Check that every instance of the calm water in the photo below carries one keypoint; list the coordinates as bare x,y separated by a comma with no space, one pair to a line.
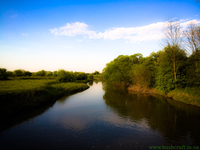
104,117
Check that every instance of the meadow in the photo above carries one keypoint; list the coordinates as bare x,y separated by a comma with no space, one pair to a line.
25,93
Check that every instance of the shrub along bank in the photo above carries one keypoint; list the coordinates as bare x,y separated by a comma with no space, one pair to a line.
158,73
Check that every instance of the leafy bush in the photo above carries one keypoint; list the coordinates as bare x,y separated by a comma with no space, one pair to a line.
117,71
18,72
40,73
140,75
3,74
27,73
90,77
9,73
65,76
55,73
81,76
48,73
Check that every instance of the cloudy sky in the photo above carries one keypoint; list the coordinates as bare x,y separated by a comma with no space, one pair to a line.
84,35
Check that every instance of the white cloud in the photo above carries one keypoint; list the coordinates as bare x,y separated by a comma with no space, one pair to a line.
149,32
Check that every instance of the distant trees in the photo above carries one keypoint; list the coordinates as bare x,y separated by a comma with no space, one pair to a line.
65,76
18,72
69,76
96,73
80,76
90,77
61,75
3,74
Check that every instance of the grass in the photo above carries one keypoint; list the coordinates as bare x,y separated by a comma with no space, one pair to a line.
188,95
18,95
18,86
141,89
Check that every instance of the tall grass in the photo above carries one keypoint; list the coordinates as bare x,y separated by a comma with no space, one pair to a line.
20,95
188,95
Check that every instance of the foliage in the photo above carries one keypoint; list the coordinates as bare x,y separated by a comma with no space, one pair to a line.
27,73
48,73
10,73
80,76
3,74
65,76
188,95
117,71
40,73
170,68
55,73
96,73
18,95
140,75
90,77
193,77
18,72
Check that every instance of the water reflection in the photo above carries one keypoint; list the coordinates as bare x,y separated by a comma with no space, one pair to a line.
107,117
177,122
90,83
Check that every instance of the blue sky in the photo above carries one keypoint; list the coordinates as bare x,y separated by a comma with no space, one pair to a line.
84,35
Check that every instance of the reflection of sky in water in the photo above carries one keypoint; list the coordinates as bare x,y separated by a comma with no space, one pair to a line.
86,121
81,110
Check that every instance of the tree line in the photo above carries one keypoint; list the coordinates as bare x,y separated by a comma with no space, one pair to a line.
177,65
61,75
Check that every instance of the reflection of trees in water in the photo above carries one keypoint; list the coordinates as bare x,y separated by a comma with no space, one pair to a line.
177,122
8,121
90,83
96,81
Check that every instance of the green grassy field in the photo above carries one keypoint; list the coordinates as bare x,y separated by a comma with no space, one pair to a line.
23,94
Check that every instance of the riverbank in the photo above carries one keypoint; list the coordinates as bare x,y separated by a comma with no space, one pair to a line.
187,95
21,95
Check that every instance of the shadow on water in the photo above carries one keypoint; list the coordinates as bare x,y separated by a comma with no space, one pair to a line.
177,122
10,120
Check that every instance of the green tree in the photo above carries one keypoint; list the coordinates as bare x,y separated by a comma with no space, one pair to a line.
192,34
90,77
140,75
117,71
81,76
150,63
9,73
18,72
170,68
65,76
96,73
3,74
48,73
27,73
40,73
193,78
55,73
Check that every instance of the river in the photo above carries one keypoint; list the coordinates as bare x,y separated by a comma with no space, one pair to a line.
106,117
